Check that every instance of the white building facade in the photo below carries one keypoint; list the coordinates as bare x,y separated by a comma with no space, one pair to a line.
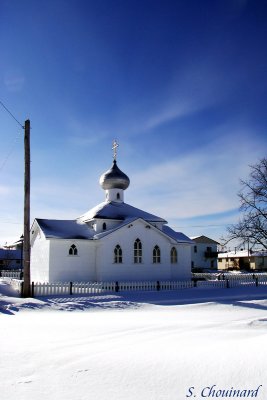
204,253
113,241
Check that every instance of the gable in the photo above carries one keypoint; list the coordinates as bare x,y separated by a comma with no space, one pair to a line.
204,239
138,223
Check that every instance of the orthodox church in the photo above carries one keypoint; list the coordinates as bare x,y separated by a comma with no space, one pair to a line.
113,241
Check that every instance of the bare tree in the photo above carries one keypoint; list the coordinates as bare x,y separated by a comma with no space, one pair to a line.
252,225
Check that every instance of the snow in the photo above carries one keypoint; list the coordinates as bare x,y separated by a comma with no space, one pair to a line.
149,345
77,229
65,229
242,253
119,211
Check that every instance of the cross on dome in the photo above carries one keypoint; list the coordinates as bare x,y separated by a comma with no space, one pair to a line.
115,145
114,178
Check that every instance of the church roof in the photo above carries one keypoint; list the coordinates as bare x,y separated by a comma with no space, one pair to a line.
72,229
119,211
65,229
178,236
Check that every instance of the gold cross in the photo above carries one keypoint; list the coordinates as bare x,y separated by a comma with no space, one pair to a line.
114,148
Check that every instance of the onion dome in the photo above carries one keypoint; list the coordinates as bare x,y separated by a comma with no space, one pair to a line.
114,178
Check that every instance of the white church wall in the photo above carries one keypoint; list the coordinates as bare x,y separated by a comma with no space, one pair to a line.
116,195
128,270
40,251
67,268
98,224
182,270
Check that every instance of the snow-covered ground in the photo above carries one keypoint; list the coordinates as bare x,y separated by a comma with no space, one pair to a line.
137,346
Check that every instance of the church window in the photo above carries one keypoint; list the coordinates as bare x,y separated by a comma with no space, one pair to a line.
104,226
137,251
195,249
118,254
173,255
118,196
156,255
73,251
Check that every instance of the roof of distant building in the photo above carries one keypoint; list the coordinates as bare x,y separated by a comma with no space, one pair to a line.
203,239
242,254
10,254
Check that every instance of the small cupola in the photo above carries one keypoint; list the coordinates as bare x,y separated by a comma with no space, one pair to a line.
114,181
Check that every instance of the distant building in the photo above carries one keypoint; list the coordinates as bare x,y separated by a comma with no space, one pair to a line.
243,260
10,259
204,253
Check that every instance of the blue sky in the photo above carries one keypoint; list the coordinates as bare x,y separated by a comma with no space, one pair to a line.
180,84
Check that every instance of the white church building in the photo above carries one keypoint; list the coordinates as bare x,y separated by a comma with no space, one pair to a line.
113,241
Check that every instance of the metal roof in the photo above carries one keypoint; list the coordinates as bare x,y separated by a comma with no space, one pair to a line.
118,211
65,229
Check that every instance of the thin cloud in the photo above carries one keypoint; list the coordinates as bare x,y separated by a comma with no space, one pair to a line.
192,90
14,81
84,134
197,184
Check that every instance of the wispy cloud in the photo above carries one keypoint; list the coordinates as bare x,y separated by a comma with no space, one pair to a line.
195,88
202,182
14,80
84,133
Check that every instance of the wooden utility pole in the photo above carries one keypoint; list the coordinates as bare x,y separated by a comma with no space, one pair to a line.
26,245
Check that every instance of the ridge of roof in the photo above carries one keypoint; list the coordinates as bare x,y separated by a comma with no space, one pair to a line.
119,211
203,239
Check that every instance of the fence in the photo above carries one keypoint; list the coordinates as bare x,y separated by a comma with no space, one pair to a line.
70,288
227,275
18,274
211,284
76,288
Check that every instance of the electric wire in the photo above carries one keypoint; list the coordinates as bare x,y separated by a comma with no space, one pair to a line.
10,113
5,159
9,152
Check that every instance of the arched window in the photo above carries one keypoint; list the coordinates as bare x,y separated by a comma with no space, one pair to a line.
104,226
118,196
173,255
137,251
156,255
118,254
73,251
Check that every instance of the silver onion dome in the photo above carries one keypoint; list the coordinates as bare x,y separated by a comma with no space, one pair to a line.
114,178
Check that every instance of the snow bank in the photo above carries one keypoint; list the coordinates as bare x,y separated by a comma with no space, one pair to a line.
121,347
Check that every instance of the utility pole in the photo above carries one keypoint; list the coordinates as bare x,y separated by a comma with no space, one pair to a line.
26,245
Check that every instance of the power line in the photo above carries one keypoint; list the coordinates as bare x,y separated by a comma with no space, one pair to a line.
9,153
10,113
15,140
